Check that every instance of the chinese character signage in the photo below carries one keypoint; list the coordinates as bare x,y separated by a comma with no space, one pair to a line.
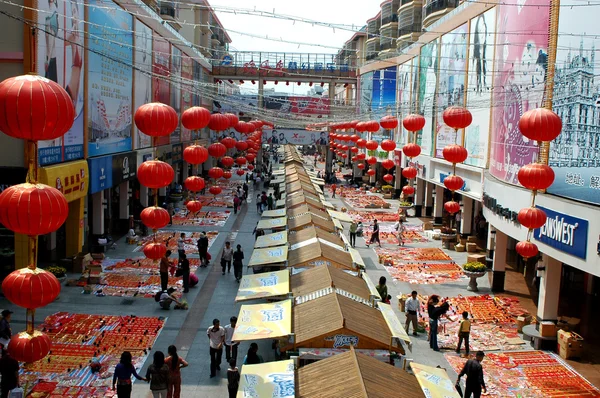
271,379
264,321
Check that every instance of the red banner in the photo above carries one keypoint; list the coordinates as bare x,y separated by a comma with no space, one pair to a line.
309,105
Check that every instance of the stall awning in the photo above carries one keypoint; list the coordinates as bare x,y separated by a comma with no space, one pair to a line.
318,253
434,382
312,232
322,353
391,319
280,204
264,321
327,204
356,258
270,255
270,223
268,284
270,240
322,277
372,288
277,181
343,217
271,379
274,213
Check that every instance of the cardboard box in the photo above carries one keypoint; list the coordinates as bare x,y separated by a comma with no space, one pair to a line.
566,338
523,321
572,350
460,247
471,247
98,256
471,239
427,226
547,329
463,241
567,323
476,258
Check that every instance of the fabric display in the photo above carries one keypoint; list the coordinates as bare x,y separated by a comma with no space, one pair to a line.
367,217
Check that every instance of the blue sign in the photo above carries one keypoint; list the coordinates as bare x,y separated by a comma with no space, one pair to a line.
101,173
226,60
443,177
563,232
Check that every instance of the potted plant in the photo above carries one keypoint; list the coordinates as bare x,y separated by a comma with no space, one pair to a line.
387,191
474,270
59,272
405,205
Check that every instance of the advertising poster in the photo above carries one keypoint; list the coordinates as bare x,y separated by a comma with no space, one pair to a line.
308,105
479,89
519,83
62,62
175,78
160,83
426,94
575,153
384,92
187,74
451,86
110,80
272,379
404,87
143,81
197,78
295,137
366,88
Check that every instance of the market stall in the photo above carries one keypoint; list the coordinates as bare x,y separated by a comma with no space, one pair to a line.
300,186
298,238
306,220
273,224
271,240
264,321
274,213
435,381
317,253
343,217
322,277
271,379
297,200
265,285
305,209
271,257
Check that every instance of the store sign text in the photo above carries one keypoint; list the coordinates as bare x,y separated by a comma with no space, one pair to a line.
564,233
343,340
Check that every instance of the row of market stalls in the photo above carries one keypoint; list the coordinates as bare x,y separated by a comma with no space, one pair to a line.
310,295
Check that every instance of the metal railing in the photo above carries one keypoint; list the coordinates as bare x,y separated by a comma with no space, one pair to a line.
167,8
438,5
388,19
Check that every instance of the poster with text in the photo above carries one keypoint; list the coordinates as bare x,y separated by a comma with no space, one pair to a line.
110,78
187,89
403,100
295,137
479,89
384,96
143,76
175,78
366,89
451,85
519,83
426,94
62,62
575,153
160,83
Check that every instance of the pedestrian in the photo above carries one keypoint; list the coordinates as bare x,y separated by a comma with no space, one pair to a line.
382,288
270,201
5,330
9,370
203,249
216,338
257,181
166,298
181,244
236,203
464,331
238,257
333,188
226,257
122,375
171,210
231,346
258,204
435,311
353,227
375,234
399,227
263,201
233,378
184,266
175,363
164,271
158,376
359,229
411,309
475,384
252,356
245,188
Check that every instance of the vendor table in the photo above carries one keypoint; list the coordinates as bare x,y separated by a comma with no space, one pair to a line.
537,340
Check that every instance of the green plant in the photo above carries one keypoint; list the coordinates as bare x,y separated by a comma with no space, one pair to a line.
387,187
474,267
58,272
406,204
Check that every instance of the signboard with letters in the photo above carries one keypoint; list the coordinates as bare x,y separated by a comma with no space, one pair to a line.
124,167
563,232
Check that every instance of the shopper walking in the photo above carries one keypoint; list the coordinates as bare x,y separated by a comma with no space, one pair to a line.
226,258
382,288
238,257
399,227
270,201
181,245
333,188
411,309
158,376
164,271
236,203
435,311
233,378
175,363
245,188
122,375
375,234
263,201
184,266
475,384
258,204
252,357
231,346
464,331
5,330
9,370
353,228
203,249
216,338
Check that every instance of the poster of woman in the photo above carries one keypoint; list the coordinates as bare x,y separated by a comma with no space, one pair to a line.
160,67
187,89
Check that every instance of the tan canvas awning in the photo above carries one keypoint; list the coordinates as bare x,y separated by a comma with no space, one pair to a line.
274,213
312,232
308,219
322,277
264,285
270,255
319,253
270,223
270,240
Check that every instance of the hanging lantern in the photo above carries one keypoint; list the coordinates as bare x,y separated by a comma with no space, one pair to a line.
241,146
409,172
536,176
33,209
408,190
227,161
345,147
233,119
372,160
215,173
217,150
371,172
242,127
388,145
372,145
453,182
354,138
527,249
354,158
388,178
195,118
155,217
155,174
361,156
193,206
360,127
227,174
195,154
413,122
155,250
194,184
34,108
455,153
457,117
156,119
29,346
361,143
250,157
361,166
354,149
388,122
240,161
411,150
372,126
215,190
218,122
540,124
532,217
239,172
388,164
228,142
452,207
250,167
31,287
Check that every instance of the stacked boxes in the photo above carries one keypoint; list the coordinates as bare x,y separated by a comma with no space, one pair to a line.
570,345
547,329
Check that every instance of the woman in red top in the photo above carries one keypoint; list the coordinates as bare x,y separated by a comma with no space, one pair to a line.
175,364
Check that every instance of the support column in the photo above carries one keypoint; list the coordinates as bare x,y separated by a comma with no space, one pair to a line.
428,198
491,242
261,93
438,212
419,197
186,171
549,288
466,227
499,263
144,196
74,227
124,200
398,177
98,213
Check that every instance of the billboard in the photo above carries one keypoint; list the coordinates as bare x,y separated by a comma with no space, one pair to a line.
160,67
519,83
142,93
366,89
384,92
176,90
426,94
110,78
309,105
479,89
187,74
403,100
295,137
62,62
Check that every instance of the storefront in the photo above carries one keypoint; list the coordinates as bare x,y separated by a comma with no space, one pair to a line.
9,176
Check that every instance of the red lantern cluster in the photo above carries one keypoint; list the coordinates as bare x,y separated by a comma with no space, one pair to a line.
411,123
217,149
218,122
227,161
229,142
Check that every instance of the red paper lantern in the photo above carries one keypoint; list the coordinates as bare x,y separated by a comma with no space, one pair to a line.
354,149
532,217
361,156
371,172
215,172
241,146
155,217
250,157
218,122
227,161
452,207
195,154
411,150
250,167
387,164
388,145
156,119
455,153
372,126
345,147
227,174
540,124
408,190
33,209
413,122
217,150
388,122
344,155
195,118
240,161
354,158
34,108
242,127
194,183
453,182
239,172
155,250
409,172
29,347
388,178
372,145
361,143
527,249
228,142
361,127
215,190
354,138
360,166
536,176
233,119
372,160
155,174
457,117
31,287
193,206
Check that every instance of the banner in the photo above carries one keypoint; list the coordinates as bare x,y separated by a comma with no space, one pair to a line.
384,92
271,379
264,321
451,85
519,83
564,232
143,82
110,78
295,137
268,284
482,40
366,90
404,91
187,74
62,62
160,67
309,105
426,94
175,76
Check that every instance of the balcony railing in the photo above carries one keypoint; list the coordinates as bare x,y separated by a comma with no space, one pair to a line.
438,5
388,19
387,45
403,2
415,28
167,9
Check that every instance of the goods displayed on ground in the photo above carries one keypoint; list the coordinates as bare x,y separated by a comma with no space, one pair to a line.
78,340
367,217
389,235
401,255
531,374
426,274
225,198
140,265
201,218
360,199
169,238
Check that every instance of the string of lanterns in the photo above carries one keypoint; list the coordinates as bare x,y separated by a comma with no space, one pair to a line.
412,123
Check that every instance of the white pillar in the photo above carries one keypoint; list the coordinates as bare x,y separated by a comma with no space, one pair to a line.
260,93
466,216
549,288
124,200
499,262
98,213
438,211
398,177
419,192
428,198
144,196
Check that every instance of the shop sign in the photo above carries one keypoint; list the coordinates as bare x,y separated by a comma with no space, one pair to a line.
177,153
69,178
101,173
420,168
343,340
398,157
563,232
443,177
504,212
124,167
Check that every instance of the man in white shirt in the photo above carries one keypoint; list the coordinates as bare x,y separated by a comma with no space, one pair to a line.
216,338
230,346
180,244
411,308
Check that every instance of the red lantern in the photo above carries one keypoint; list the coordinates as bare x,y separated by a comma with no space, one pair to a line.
33,209
360,166
193,206
239,172
195,118
194,184
227,174
233,119
345,147
452,207
411,150
218,122
361,156
215,190
29,347
217,150
227,161
413,122
354,138
241,146
372,145
354,158
540,124
34,108
156,119
361,127
195,154
453,182
155,217
361,143
408,190
527,249
409,172
387,164
354,149
31,287
240,161
371,172
215,172
250,167
155,250
344,155
242,127
250,157
228,142
388,122
536,176
455,153
388,145
388,178
457,117
372,126
372,160
155,174
532,217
